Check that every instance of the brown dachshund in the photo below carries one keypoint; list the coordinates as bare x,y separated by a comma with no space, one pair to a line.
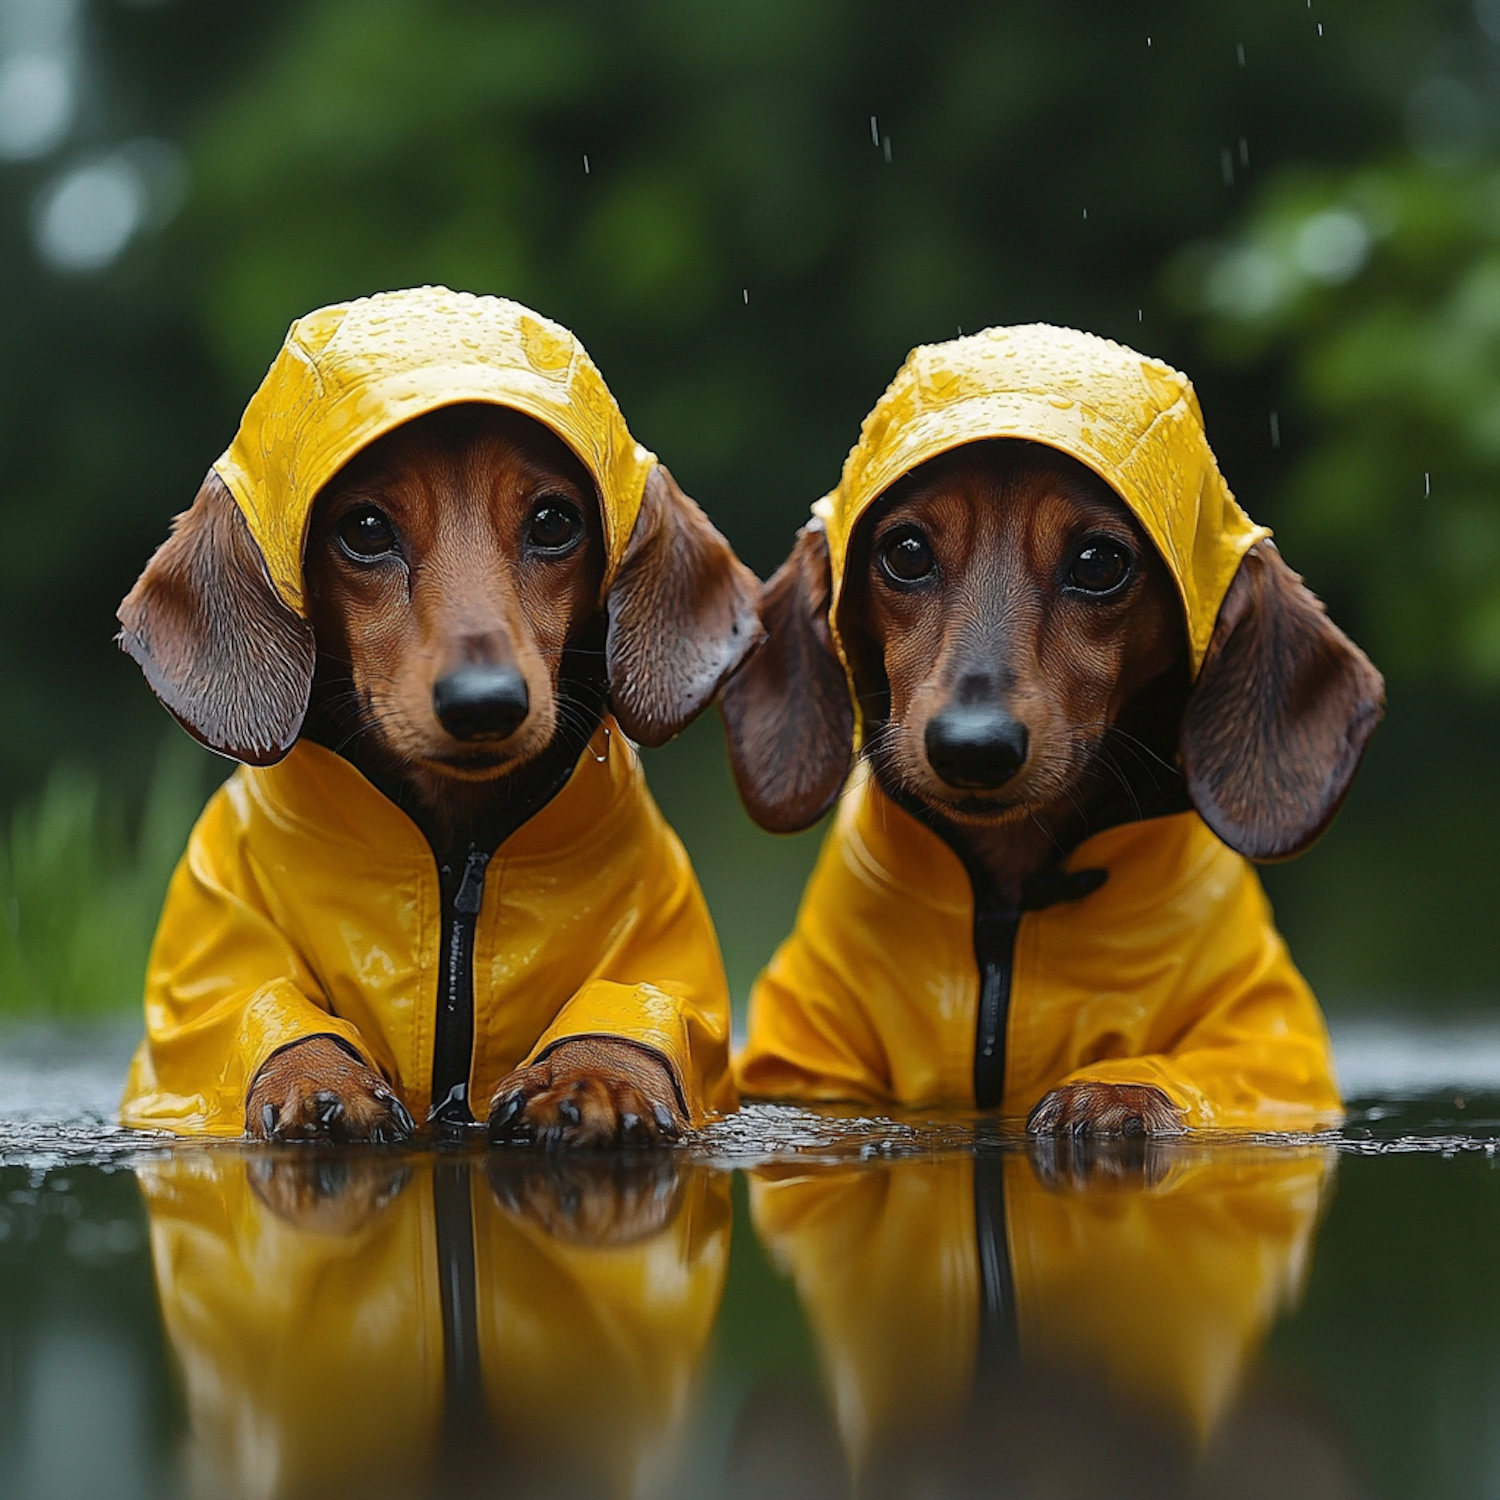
1020,658
461,661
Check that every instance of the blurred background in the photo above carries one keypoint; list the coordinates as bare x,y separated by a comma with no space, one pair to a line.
750,211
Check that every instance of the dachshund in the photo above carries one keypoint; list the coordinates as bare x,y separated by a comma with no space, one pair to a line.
1019,655
461,659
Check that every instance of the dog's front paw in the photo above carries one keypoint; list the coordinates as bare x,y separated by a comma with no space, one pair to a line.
316,1091
594,1092
1106,1109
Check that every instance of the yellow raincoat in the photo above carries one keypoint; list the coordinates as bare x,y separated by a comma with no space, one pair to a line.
920,1279
1170,973
308,904
359,1345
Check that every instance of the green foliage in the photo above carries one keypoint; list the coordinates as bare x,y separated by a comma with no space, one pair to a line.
79,895
1380,289
748,265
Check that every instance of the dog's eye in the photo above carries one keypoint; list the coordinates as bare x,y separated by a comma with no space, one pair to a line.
1101,566
906,555
555,525
367,532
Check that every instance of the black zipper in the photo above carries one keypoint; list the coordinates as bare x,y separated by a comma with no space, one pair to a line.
453,1031
995,928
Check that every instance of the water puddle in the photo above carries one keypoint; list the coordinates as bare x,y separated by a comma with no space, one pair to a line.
798,1304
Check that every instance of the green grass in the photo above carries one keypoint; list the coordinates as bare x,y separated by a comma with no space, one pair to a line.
80,888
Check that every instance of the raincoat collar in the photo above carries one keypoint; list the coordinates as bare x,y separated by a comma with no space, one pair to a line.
1133,420
316,792
351,372
915,864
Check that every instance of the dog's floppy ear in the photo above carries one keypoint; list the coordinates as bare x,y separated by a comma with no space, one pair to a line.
1280,716
215,640
787,712
681,616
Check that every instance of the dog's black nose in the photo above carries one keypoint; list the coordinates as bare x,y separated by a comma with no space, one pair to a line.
975,749
481,703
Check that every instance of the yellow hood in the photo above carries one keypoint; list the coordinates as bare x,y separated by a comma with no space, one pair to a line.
308,904
353,371
1134,421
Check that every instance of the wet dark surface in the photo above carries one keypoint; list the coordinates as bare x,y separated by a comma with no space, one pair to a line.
795,1305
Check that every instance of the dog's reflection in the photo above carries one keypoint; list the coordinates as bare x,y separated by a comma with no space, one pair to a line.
374,1325
1078,1320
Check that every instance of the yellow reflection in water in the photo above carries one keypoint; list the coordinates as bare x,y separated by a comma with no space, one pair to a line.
1044,1308
363,1324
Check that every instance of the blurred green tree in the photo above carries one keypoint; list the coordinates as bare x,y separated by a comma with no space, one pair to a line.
1380,292
749,211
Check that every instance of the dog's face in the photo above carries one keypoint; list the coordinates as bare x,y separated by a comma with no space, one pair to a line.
449,566
454,571
1006,619
1002,606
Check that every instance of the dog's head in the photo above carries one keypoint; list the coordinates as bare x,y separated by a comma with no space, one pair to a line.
1011,630
453,569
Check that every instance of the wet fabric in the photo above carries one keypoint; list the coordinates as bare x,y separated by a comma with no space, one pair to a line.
308,904
1134,421
349,373
348,1329
1170,973
928,1283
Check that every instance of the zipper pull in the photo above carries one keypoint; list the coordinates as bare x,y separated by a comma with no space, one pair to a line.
471,887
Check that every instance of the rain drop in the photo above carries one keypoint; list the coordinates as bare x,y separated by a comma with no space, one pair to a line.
1320,28
1140,315
1275,430
1085,216
1239,51
746,294
875,129
1148,41
885,145
1244,152
1427,484
585,164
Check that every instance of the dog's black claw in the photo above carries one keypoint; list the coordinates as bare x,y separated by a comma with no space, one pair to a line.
664,1121
268,1120
632,1129
404,1122
570,1112
328,1108
503,1126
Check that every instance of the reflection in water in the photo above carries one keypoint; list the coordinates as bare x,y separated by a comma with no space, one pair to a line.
381,1326
1072,1322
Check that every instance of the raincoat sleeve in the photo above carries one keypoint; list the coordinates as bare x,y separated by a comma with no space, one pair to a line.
683,1018
1242,1043
809,1036
224,988
843,1011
